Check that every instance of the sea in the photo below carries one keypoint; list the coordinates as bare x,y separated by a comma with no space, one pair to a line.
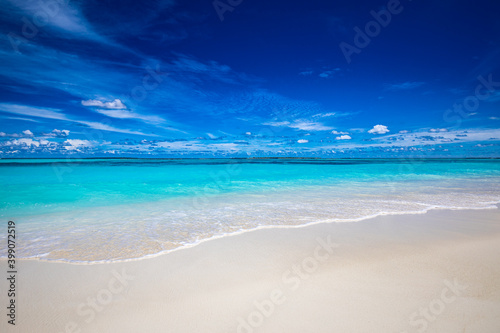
104,210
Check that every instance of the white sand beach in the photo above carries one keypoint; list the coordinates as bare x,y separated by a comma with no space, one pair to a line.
433,272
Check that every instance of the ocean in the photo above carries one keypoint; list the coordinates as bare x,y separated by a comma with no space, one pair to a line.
94,210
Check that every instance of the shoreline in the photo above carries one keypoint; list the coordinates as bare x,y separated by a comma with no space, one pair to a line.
352,277
493,205
326,277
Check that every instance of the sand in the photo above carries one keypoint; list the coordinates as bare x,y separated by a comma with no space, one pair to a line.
434,272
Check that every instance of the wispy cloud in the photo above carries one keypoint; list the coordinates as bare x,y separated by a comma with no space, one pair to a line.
57,114
328,73
404,86
117,109
306,73
126,114
22,119
325,115
60,16
33,111
300,124
104,127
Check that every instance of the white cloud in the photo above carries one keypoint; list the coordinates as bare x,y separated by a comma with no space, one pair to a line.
424,137
379,129
435,130
78,143
116,104
343,137
404,132
22,142
26,133
60,133
494,118
117,109
302,141
248,133
339,133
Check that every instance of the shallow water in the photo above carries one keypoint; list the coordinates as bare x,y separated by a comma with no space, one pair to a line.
107,209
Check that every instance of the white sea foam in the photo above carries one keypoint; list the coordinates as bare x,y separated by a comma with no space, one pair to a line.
128,232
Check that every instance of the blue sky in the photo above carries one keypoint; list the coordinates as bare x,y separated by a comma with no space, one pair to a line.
249,78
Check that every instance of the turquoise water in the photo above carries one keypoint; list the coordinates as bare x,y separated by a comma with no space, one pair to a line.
140,206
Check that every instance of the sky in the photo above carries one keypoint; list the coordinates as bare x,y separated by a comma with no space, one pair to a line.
240,78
